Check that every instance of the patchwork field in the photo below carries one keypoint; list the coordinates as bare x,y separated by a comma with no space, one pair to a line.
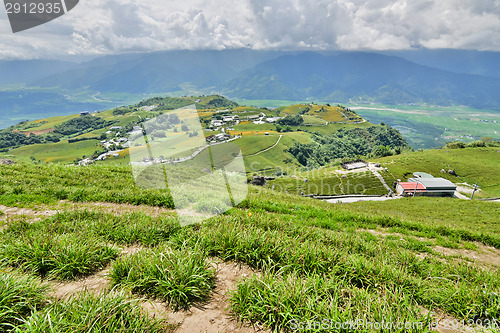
430,127
77,243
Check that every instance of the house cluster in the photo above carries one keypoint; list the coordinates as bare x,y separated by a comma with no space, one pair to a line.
218,137
148,107
115,142
215,123
424,184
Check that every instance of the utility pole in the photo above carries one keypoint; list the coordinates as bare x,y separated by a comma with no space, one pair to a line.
475,189
416,187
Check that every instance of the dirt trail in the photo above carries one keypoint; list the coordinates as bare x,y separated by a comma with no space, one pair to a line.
264,150
43,211
13,212
213,316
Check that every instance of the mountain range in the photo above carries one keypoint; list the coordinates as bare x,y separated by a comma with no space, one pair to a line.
437,77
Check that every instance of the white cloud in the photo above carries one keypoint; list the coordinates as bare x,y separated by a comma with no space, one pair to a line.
115,26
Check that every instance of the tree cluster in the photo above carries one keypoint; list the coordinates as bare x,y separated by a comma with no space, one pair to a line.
373,141
81,125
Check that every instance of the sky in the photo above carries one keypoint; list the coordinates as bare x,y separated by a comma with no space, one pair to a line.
96,27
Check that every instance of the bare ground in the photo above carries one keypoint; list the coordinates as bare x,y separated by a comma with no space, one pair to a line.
210,317
484,256
42,211
15,212
213,316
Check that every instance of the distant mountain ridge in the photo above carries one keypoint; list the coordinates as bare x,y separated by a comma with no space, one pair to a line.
366,76
437,77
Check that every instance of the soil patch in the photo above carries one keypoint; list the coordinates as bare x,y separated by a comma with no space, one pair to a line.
485,255
28,133
213,316
12,212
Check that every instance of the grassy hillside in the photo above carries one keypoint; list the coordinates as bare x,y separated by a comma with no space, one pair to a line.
308,261
60,152
472,165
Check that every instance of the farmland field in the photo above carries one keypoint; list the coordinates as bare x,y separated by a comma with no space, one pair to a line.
430,127
303,260
63,151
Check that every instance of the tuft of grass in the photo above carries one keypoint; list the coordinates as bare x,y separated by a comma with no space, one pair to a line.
179,277
20,296
64,257
287,303
104,313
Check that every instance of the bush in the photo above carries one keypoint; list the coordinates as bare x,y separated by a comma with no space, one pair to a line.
293,120
381,151
476,144
455,145
64,257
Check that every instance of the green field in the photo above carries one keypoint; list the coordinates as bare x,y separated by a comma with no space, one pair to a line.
61,152
472,165
412,260
328,183
430,127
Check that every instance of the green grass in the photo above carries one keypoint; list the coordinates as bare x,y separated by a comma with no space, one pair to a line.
126,229
253,128
63,257
317,260
252,144
61,152
293,244
49,123
313,120
20,296
287,303
470,164
473,216
27,184
87,313
180,277
325,182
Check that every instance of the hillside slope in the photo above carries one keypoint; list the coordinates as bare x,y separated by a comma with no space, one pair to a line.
338,266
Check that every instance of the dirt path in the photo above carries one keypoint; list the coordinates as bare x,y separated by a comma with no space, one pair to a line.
375,172
43,211
214,316
33,214
211,317
264,150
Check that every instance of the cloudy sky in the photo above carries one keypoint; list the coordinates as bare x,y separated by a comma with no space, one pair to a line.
97,27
